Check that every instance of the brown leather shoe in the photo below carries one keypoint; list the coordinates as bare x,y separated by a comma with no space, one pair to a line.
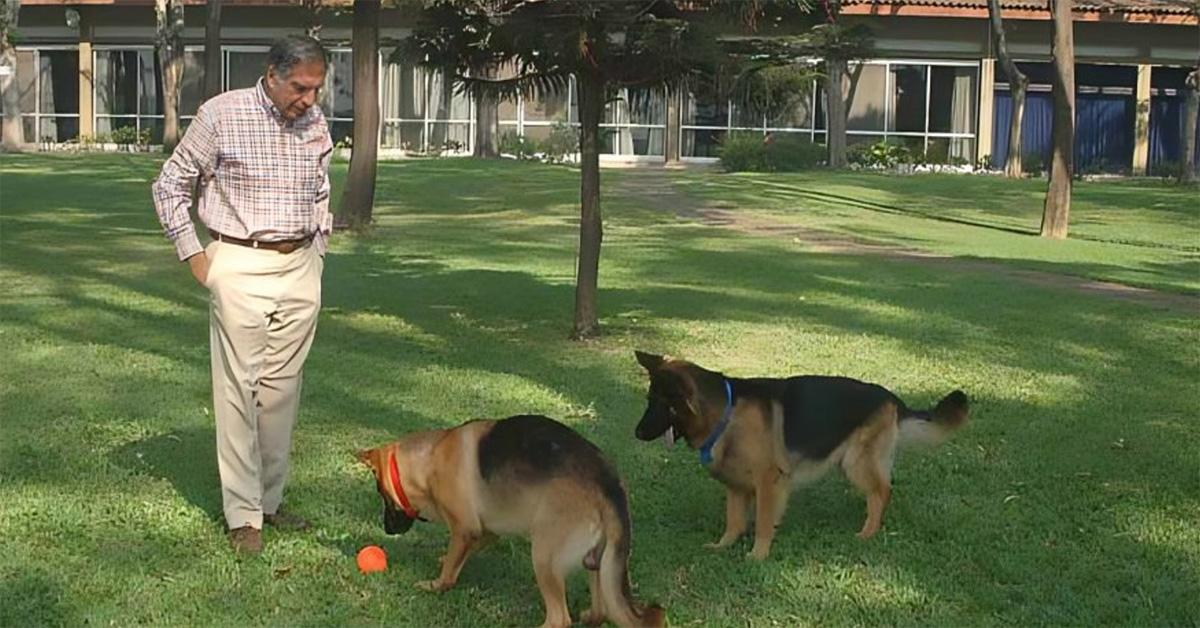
285,520
246,540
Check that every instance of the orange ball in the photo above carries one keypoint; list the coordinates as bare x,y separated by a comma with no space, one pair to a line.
371,558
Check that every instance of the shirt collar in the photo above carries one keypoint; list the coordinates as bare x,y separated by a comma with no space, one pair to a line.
265,101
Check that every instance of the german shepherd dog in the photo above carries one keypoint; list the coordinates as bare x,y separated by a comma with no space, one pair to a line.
525,475
761,437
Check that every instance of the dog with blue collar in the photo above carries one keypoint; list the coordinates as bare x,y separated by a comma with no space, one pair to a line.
761,437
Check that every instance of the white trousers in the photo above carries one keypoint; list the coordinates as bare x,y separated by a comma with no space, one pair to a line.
263,317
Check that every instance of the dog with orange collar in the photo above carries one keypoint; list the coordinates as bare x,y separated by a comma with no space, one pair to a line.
526,475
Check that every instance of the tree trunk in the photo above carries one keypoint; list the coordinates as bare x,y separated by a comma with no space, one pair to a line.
487,119
12,130
1062,162
1017,83
170,59
312,18
591,110
1012,164
212,50
1191,106
358,197
835,112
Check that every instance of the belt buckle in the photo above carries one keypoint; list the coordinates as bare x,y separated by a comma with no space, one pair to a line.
286,247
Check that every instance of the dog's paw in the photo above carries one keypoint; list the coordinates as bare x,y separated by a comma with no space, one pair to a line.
719,545
758,554
432,586
592,617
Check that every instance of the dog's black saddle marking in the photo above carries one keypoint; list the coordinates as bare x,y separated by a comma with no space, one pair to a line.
819,412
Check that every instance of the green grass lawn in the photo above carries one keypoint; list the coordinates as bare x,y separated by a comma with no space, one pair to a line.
1073,496
1138,232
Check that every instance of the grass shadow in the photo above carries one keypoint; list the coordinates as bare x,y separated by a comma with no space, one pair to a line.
186,458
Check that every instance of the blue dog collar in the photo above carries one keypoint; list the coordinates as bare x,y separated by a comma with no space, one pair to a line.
706,448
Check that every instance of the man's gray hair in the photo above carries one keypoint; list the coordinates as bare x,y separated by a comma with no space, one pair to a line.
293,50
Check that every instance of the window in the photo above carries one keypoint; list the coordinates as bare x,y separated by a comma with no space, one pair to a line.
127,85
403,106
635,123
866,110
907,98
191,92
952,99
244,66
952,111
534,116
798,116
509,113
48,81
932,109
129,94
705,122
549,108
509,109
422,110
337,96
450,115
929,107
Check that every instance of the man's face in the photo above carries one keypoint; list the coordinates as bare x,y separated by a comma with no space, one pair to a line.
295,93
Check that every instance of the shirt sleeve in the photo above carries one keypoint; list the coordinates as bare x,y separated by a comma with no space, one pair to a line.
195,156
321,213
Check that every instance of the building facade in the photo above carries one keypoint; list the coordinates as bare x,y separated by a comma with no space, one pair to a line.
89,70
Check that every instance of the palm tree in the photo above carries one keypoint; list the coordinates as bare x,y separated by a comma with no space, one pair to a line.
600,45
838,45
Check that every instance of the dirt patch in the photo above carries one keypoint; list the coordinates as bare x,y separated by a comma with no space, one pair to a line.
655,189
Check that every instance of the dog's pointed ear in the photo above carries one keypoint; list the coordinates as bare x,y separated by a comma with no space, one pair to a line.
683,384
649,361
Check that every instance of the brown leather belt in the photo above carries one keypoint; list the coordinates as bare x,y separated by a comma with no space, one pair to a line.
282,246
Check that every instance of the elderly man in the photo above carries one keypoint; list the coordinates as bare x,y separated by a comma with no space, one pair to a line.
261,158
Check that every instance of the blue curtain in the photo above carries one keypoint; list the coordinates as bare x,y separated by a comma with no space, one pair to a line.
1035,128
1103,129
1103,132
1166,122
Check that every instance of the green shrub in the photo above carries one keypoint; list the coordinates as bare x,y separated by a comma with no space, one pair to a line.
881,154
562,143
791,152
743,152
1032,164
447,147
125,135
518,146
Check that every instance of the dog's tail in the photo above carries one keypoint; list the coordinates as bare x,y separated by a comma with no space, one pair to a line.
935,426
618,601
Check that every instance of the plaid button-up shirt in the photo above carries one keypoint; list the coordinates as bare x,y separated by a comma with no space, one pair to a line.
261,177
